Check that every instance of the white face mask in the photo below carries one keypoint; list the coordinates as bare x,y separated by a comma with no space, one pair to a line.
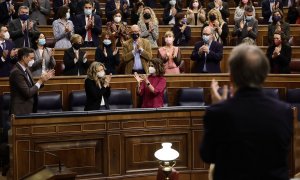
6,35
169,40
195,4
172,3
117,19
30,63
152,70
101,74
67,15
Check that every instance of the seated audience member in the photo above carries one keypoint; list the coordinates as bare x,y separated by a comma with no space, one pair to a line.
219,25
148,24
8,11
97,87
170,11
136,12
8,55
267,8
279,25
108,54
170,55
279,55
240,10
43,56
137,52
293,16
151,88
246,27
195,13
181,30
39,10
220,6
75,60
118,29
247,121
112,5
88,25
63,28
22,29
207,53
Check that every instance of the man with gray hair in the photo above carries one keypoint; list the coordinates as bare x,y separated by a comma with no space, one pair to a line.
22,29
248,136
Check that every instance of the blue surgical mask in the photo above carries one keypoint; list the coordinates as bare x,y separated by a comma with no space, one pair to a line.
107,42
42,42
24,17
87,12
205,39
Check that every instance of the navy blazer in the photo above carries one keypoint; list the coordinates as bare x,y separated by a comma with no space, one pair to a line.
96,30
245,138
110,9
70,67
213,58
9,62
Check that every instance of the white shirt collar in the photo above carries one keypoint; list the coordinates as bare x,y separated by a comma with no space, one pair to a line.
23,67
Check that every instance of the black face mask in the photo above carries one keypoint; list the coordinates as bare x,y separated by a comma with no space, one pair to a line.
147,16
76,46
135,36
212,17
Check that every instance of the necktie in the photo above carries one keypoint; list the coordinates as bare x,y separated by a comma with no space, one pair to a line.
28,77
3,46
26,39
89,31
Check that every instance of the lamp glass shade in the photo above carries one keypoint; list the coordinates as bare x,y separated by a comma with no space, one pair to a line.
166,153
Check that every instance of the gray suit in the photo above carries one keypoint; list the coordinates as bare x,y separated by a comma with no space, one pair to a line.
23,92
243,33
16,33
39,15
36,68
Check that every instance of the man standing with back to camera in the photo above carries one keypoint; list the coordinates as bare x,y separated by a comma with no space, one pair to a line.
248,136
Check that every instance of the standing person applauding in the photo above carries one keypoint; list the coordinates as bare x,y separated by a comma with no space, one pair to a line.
151,88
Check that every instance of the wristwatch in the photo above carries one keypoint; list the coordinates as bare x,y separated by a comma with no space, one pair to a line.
148,84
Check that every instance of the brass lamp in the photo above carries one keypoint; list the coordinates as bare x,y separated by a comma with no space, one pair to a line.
166,156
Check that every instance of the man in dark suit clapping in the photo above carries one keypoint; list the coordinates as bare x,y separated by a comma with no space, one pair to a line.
248,136
7,52
207,53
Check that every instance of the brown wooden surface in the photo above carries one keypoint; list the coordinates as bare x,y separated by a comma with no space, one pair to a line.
189,66
119,144
66,84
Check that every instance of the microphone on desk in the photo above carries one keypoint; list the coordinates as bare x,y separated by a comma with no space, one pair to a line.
47,152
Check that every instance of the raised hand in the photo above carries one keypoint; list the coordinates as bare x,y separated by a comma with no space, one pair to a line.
137,77
215,95
46,76
115,51
242,24
30,25
105,52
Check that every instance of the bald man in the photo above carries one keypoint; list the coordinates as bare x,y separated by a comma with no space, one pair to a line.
207,53
137,52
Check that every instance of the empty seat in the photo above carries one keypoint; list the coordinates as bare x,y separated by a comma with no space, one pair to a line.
77,100
190,97
120,99
272,92
293,97
49,102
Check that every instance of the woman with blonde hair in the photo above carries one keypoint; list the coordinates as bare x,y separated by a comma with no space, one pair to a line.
219,25
148,24
170,55
97,87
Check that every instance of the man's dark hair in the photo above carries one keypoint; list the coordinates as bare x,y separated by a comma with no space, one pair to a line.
24,52
62,11
249,8
88,2
249,66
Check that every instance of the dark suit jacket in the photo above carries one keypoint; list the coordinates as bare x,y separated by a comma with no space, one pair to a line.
243,33
224,12
111,61
96,30
70,67
56,5
181,38
285,29
245,138
212,60
7,65
94,95
110,9
4,18
281,62
23,92
266,10
17,35
166,16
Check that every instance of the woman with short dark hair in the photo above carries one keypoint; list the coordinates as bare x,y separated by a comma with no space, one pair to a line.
151,88
181,31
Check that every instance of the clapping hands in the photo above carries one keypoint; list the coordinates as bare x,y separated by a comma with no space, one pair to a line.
215,95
